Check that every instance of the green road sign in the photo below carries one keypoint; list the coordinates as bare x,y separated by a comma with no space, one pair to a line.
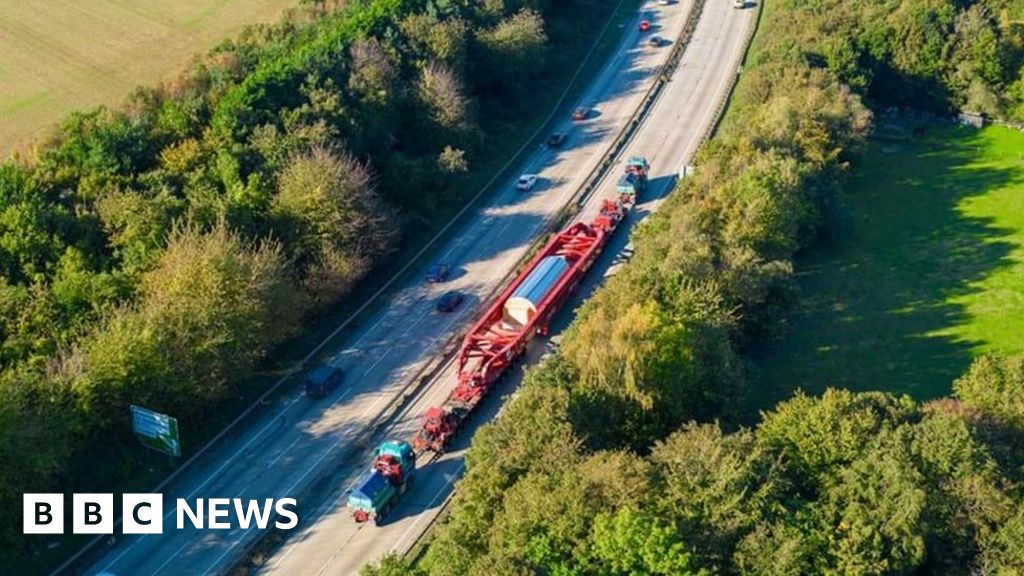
156,431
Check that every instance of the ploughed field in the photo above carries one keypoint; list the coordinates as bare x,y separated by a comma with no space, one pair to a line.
63,55
922,270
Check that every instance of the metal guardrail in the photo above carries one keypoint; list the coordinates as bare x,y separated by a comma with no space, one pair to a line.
426,374
416,551
79,557
723,104
429,371
591,184
625,135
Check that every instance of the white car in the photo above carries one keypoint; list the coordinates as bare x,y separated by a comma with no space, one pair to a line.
526,182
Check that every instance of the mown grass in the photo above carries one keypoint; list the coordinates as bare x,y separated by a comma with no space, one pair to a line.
926,272
59,55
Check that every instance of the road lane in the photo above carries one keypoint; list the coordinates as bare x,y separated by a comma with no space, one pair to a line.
298,438
669,137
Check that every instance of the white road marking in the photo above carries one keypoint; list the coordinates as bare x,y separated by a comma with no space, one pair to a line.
292,402
449,481
168,561
299,437
315,465
208,478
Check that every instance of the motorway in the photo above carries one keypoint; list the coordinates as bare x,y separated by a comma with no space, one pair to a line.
297,441
669,137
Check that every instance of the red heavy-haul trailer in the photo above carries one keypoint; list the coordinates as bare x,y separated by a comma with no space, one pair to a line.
522,310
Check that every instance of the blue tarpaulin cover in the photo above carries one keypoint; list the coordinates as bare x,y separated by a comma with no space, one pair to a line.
627,182
369,489
542,279
521,306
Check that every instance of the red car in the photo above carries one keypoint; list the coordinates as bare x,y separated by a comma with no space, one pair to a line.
645,25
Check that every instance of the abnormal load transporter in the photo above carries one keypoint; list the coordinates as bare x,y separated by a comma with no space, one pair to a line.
497,340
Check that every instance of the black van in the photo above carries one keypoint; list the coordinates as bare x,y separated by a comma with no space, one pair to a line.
322,380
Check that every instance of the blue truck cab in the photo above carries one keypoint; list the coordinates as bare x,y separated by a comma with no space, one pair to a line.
634,181
391,473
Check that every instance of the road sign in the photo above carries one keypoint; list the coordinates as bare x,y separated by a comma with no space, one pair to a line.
156,431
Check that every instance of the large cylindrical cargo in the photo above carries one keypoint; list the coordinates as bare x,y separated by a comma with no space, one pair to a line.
522,305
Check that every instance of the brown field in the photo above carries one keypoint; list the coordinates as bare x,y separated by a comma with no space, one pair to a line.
62,55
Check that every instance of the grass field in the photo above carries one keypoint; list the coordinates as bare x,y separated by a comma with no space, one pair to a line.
62,55
926,273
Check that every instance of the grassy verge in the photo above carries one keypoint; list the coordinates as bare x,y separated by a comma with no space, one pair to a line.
927,273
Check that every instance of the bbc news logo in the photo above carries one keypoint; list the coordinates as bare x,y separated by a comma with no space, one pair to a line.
144,513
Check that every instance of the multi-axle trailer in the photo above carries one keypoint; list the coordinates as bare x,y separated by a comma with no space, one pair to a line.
497,340
524,309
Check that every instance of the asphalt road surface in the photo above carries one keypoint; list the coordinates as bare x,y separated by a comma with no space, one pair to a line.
298,440
330,542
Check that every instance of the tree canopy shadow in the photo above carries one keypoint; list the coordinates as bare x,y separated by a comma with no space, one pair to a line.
877,300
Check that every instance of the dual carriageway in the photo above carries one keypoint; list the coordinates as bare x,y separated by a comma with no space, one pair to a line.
398,363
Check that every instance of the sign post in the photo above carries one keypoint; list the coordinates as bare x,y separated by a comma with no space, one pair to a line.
156,431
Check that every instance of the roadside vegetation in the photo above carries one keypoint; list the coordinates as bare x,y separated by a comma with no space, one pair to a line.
622,454
156,253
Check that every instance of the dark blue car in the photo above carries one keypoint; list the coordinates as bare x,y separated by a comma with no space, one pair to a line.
449,301
322,380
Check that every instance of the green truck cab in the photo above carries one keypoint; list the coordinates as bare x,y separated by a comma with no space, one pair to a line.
634,181
391,473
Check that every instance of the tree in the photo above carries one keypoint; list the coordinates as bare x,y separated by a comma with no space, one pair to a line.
441,91
1003,554
452,160
513,52
875,506
995,385
27,243
208,311
373,75
545,518
81,294
442,41
765,207
651,366
35,444
715,486
788,547
977,67
965,500
334,222
814,435
137,225
631,543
